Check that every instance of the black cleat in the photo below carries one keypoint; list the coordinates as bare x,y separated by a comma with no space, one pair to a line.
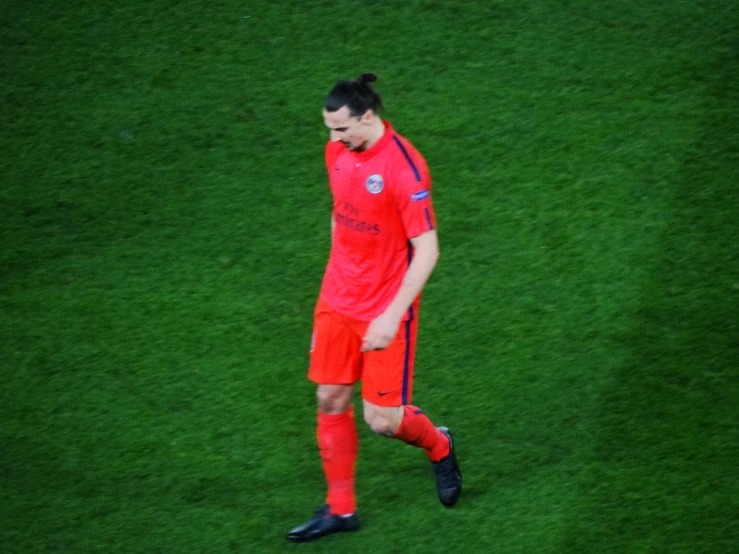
321,524
448,475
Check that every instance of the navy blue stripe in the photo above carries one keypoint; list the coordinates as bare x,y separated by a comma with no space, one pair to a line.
410,259
407,157
428,218
406,363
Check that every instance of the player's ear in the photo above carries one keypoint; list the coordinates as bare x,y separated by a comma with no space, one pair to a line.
368,117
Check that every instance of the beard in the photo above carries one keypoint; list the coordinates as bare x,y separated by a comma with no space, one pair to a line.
353,147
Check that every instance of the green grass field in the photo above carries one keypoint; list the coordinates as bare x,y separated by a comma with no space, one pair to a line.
164,226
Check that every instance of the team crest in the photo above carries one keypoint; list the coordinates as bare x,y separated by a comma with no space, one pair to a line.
375,184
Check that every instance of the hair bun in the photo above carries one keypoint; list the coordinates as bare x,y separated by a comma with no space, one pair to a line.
367,78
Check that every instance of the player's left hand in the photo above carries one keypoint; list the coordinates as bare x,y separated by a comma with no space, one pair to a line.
380,332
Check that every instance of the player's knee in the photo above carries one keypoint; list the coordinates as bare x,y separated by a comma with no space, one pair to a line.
334,399
381,422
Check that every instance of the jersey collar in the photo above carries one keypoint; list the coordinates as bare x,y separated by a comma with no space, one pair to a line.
385,139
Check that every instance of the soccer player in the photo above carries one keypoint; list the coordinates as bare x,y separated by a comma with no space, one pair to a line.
383,249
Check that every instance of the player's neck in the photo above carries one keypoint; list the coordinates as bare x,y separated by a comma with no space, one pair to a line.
378,129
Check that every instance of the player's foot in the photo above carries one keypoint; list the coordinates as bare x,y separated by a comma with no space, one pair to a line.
321,524
448,475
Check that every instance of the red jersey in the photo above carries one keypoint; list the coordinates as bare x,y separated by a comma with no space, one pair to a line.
382,198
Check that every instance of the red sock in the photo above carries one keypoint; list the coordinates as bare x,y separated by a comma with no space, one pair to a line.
338,444
416,429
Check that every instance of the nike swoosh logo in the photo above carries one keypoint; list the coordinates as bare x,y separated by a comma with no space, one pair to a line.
383,393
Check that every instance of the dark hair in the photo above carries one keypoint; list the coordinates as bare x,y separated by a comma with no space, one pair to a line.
357,94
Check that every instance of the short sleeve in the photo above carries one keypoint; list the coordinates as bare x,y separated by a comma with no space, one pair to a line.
413,198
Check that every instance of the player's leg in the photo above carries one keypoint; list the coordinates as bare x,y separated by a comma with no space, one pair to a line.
338,444
387,390
410,425
334,366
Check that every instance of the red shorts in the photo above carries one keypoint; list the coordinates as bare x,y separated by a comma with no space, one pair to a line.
335,357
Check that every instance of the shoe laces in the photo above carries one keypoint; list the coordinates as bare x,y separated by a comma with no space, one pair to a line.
444,470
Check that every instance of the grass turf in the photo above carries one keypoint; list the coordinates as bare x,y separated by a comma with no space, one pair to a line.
164,225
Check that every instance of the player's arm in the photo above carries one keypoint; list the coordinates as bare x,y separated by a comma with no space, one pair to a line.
425,256
382,330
